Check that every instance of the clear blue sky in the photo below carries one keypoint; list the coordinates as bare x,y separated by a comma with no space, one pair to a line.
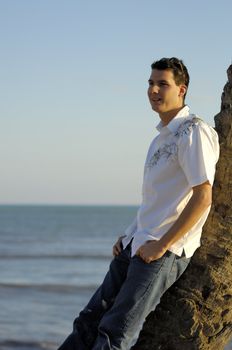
75,119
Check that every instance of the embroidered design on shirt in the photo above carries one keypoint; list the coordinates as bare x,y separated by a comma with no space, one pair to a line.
186,127
169,151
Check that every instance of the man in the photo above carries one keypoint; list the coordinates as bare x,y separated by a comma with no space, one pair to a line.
157,246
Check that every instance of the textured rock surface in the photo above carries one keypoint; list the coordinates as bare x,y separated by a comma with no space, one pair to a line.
196,313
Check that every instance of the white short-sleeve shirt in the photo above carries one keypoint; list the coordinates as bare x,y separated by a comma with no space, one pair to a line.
183,155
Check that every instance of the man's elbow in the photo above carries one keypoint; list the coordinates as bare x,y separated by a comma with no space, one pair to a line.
207,199
203,194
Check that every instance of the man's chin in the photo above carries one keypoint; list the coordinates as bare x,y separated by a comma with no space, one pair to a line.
157,109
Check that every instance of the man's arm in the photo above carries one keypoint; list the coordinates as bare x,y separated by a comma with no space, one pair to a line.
198,203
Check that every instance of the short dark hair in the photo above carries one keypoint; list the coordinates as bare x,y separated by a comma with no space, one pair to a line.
180,72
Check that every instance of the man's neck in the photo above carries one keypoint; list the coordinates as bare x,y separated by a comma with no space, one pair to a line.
168,116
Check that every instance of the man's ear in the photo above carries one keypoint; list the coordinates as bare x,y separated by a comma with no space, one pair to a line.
183,90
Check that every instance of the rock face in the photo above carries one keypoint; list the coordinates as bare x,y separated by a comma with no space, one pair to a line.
196,312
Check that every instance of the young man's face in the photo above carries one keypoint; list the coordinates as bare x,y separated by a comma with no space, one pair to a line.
163,93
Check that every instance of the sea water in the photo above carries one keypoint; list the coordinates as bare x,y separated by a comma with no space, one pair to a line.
52,258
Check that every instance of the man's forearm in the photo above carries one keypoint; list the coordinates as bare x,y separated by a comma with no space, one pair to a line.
197,205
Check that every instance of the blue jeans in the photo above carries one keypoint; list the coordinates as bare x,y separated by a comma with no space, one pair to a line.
130,291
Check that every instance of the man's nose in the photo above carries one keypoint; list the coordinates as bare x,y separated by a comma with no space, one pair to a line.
154,89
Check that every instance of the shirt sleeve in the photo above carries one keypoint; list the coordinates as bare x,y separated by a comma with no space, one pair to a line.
198,153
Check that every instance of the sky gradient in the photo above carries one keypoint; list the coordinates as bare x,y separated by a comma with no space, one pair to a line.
75,118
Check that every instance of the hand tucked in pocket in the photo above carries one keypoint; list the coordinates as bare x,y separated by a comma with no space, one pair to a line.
151,250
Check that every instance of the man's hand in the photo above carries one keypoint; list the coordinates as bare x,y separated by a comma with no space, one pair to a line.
151,250
117,246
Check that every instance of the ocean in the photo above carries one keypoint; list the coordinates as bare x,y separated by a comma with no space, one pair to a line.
52,259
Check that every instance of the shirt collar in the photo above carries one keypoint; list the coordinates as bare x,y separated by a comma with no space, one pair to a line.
176,121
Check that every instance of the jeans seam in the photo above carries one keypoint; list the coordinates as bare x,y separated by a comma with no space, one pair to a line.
170,271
